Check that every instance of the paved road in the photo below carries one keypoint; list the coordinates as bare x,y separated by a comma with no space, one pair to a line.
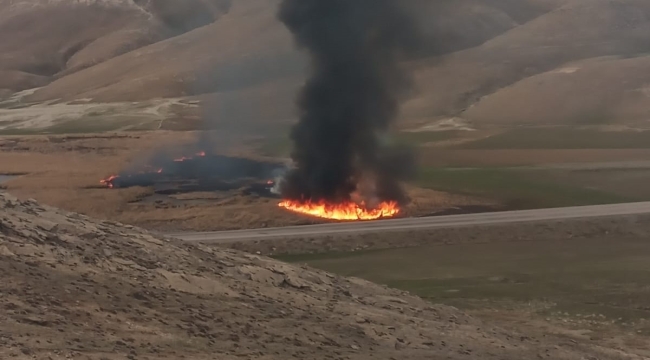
418,223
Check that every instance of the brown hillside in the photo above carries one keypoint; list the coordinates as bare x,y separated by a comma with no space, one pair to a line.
580,29
79,288
249,47
601,91
247,66
246,47
453,25
50,39
240,55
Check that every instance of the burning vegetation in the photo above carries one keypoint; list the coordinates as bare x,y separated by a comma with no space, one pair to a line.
347,107
344,211
343,167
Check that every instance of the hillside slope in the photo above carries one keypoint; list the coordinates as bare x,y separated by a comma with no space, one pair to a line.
246,47
251,47
592,92
578,30
76,287
238,54
41,41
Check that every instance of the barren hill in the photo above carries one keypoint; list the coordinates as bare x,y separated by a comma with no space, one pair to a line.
248,47
41,41
591,92
578,30
125,50
72,286
237,55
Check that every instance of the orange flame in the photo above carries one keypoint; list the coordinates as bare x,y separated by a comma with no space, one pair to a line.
108,182
345,211
148,169
183,158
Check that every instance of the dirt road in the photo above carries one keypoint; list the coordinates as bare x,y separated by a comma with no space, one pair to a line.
417,223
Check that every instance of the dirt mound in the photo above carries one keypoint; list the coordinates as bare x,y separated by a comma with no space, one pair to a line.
72,286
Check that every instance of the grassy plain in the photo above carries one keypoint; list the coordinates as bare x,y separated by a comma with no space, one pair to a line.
517,189
63,170
595,283
562,138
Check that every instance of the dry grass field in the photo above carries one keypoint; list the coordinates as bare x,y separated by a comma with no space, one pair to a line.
64,171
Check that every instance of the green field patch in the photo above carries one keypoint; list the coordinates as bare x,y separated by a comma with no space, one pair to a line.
425,137
281,145
515,188
562,138
597,278
276,146
86,125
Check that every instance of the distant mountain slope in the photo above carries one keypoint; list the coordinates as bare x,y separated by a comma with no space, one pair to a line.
240,55
580,29
591,92
247,47
251,30
41,41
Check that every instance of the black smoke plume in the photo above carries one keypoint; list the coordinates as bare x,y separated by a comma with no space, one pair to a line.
351,99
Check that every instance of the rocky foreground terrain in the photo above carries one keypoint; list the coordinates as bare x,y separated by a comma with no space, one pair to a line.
76,288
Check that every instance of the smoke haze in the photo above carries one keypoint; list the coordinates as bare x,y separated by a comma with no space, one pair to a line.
350,100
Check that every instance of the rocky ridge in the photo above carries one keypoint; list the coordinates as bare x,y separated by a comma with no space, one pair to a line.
76,288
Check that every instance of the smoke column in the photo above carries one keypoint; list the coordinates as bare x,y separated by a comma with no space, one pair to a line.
350,100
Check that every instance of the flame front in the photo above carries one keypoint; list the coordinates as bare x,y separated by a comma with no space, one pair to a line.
108,182
184,158
148,169
344,211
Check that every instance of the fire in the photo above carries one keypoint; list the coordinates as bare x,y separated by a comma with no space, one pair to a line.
345,211
148,169
183,158
109,181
